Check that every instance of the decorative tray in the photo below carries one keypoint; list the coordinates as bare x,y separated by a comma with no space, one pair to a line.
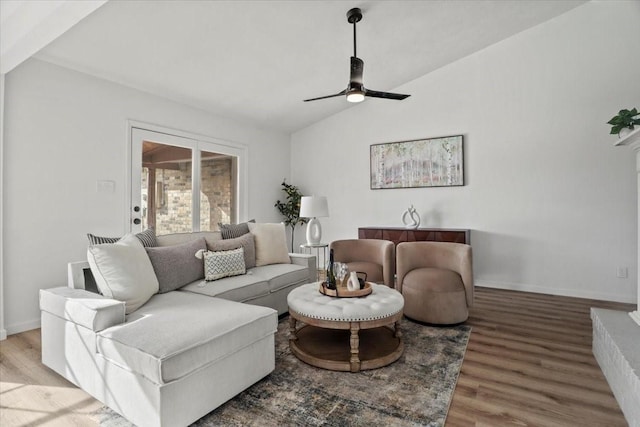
343,292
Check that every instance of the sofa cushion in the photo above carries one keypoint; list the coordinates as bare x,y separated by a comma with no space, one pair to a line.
146,237
123,271
180,238
281,276
271,243
219,264
177,333
231,231
237,288
176,266
245,242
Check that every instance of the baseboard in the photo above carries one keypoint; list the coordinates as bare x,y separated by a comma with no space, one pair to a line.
22,327
3,334
576,293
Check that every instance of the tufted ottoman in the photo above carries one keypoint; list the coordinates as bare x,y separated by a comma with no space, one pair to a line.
346,334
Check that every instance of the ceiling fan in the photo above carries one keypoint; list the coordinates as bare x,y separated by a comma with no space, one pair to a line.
356,91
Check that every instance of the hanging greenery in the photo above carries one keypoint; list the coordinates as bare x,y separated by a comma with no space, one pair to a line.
290,208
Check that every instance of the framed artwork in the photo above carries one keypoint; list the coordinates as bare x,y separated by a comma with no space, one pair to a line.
433,162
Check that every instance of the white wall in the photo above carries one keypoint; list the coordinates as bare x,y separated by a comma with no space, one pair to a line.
63,132
550,201
3,331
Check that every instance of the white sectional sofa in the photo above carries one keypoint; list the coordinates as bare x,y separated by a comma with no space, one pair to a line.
179,355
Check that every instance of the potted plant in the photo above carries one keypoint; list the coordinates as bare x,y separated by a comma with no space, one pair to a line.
624,122
290,208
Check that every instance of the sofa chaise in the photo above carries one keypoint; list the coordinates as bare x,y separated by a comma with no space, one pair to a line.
182,352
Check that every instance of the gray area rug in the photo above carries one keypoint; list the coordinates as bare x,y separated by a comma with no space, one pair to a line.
414,391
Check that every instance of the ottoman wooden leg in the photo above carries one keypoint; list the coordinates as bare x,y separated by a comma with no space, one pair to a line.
355,347
292,329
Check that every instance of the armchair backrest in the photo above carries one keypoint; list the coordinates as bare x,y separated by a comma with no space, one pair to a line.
381,252
450,256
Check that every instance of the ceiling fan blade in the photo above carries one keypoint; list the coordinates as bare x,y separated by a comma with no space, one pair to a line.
328,96
357,68
385,95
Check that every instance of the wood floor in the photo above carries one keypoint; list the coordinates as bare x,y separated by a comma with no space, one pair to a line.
528,363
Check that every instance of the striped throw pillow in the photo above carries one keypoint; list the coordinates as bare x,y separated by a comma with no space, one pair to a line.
147,238
231,231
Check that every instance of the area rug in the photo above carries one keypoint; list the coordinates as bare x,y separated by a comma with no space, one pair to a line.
414,391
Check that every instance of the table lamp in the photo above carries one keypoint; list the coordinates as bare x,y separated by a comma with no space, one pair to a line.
313,207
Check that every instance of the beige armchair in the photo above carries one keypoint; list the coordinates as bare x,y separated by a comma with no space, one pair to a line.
436,280
372,256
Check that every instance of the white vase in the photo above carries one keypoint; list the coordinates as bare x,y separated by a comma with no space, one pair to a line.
353,284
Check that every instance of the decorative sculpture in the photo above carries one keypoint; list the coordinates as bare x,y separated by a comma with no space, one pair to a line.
413,216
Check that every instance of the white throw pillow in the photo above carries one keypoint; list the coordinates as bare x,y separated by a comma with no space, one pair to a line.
219,264
123,271
271,243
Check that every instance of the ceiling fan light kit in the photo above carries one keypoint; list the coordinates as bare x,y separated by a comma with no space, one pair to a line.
355,91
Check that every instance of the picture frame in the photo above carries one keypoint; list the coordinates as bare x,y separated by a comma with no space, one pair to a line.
429,162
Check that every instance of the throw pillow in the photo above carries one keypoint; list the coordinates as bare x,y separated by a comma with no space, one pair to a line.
245,242
147,237
221,264
231,231
176,266
123,271
271,244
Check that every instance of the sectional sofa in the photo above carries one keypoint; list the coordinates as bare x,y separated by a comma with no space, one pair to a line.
189,347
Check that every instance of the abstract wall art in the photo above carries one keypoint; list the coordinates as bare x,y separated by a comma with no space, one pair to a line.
432,162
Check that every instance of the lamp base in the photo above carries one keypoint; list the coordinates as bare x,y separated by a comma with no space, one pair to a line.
314,232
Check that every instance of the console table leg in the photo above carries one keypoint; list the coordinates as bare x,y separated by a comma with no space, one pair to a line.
355,347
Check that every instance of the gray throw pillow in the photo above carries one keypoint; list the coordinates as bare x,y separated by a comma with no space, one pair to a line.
245,242
231,231
176,266
147,238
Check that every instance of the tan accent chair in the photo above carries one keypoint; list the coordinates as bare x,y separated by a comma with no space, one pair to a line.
436,280
372,256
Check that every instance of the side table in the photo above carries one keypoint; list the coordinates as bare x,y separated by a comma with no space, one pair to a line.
306,248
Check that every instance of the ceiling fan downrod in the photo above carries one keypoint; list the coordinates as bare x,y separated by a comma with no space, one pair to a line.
354,15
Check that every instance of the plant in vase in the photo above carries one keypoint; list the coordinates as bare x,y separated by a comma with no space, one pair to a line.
290,208
624,122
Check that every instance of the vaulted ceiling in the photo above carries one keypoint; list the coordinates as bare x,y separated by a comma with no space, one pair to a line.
255,61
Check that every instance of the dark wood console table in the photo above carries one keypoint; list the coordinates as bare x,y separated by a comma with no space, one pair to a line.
401,234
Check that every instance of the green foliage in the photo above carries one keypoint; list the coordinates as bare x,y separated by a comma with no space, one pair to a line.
290,208
624,119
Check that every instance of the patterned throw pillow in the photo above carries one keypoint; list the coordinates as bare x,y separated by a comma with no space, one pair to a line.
221,264
231,231
147,238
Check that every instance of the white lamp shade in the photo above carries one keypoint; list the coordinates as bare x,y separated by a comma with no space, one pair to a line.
313,206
